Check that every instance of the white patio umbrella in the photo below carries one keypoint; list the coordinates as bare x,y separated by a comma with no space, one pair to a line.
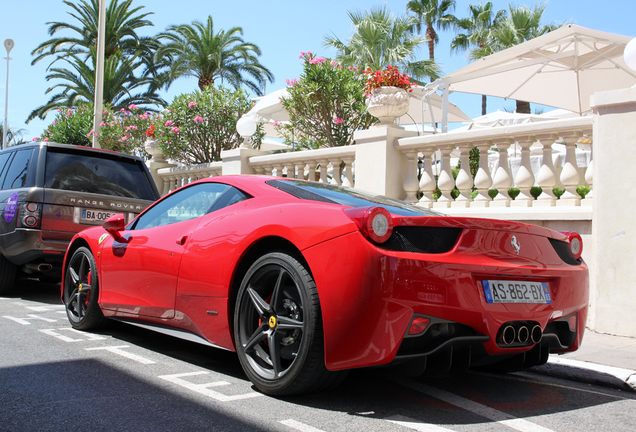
561,69
429,110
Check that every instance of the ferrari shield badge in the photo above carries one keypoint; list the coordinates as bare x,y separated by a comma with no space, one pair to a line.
102,238
272,321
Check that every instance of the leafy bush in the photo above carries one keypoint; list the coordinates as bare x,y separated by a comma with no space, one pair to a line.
326,105
122,131
125,130
71,126
196,127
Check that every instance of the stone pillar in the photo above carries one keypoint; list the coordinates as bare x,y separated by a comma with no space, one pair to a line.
236,161
613,290
380,167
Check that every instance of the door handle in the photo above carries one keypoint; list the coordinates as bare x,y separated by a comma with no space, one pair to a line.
182,240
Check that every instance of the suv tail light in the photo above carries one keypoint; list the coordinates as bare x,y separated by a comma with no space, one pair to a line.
30,215
576,243
375,223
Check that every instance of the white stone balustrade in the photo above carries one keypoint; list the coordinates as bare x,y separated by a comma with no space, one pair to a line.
323,165
567,132
176,177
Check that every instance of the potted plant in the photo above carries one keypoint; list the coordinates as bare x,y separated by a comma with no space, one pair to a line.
387,94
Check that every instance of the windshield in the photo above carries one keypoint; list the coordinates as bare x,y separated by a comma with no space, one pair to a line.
347,197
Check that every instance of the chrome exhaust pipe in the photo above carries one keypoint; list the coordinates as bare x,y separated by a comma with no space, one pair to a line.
42,267
536,335
523,334
508,335
45,267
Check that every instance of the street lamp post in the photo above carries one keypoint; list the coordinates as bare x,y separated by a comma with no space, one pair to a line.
99,73
8,44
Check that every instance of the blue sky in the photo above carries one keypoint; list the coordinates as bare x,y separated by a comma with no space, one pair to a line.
281,28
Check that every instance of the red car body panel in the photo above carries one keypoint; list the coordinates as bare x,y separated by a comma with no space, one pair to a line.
368,294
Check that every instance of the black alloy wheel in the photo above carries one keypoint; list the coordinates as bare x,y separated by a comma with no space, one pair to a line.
278,328
81,291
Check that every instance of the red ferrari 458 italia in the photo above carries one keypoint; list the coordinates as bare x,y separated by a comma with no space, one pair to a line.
306,280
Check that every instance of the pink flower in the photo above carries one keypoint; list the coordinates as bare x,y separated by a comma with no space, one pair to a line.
169,123
175,130
276,123
198,119
46,139
192,104
34,139
105,112
302,53
338,120
132,107
53,122
124,138
102,124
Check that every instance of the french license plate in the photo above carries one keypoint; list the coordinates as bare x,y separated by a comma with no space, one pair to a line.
507,291
94,216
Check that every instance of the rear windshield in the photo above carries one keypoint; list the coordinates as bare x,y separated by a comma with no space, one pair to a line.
347,197
103,174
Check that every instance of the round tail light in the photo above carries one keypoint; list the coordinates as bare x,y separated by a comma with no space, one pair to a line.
576,244
377,224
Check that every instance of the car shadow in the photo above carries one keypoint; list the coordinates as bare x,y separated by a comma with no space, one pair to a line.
94,396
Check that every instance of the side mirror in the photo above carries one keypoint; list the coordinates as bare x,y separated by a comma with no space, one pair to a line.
114,224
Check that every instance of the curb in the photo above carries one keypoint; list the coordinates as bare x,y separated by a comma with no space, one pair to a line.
591,373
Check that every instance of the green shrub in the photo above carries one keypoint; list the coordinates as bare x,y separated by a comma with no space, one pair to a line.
326,105
71,126
196,127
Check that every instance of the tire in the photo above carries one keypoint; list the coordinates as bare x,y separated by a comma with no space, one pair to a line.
278,328
81,291
8,272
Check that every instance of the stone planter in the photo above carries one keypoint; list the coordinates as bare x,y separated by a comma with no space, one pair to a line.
152,148
387,104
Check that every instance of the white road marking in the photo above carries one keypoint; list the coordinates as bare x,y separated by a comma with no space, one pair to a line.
415,424
46,308
204,389
302,427
86,336
119,350
479,409
25,321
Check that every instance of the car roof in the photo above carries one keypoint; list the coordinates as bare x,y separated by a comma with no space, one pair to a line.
95,151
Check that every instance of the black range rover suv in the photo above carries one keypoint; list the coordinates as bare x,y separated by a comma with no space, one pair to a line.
50,191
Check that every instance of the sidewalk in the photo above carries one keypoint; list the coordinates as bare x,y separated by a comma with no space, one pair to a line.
602,359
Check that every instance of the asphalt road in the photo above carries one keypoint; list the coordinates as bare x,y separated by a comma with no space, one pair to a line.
54,378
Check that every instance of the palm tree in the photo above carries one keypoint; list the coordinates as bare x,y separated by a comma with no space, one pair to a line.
523,24
78,85
434,14
381,39
14,137
122,24
197,50
478,29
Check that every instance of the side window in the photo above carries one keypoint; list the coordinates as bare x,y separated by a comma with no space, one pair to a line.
18,172
4,157
189,203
